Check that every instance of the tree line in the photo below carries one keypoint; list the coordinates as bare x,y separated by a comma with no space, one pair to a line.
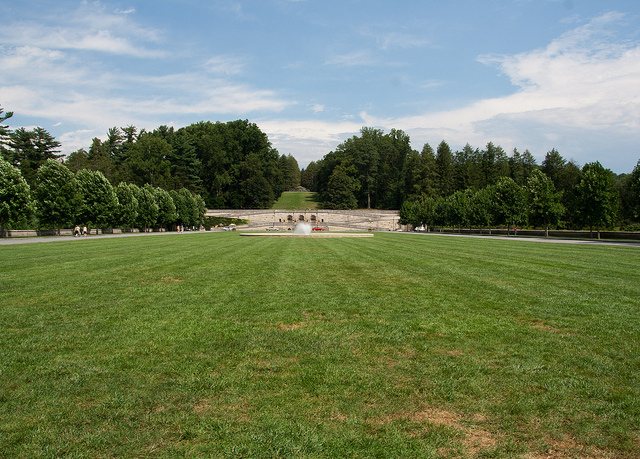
231,165
61,199
472,186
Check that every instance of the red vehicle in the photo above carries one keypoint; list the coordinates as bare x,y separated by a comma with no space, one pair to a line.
317,228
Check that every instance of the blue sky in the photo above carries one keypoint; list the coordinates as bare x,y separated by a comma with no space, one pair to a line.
525,74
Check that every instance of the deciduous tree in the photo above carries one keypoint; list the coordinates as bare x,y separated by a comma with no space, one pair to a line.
167,213
633,191
482,207
56,195
544,200
99,200
510,202
147,208
341,190
596,197
127,211
16,205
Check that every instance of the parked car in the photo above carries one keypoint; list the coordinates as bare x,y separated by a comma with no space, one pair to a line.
273,228
419,228
231,227
317,228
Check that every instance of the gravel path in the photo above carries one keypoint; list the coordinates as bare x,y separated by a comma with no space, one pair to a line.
30,240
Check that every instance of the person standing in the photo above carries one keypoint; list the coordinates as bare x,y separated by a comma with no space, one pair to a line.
84,231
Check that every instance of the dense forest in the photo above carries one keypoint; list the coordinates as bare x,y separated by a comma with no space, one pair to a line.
162,178
472,187
233,165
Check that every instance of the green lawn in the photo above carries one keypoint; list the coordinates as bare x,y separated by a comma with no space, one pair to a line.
401,345
297,200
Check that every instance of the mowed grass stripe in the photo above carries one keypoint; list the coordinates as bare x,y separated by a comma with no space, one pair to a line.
398,345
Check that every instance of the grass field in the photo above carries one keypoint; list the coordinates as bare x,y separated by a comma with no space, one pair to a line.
401,345
297,200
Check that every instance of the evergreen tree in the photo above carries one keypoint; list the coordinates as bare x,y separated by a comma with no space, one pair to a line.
98,159
495,164
28,150
429,173
412,177
77,160
186,167
113,144
553,166
516,167
307,176
4,133
445,168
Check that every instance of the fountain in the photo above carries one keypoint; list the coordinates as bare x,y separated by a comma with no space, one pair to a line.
302,228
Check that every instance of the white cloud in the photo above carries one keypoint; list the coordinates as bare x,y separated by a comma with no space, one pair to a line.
395,39
127,11
224,65
583,83
89,28
307,140
43,76
579,94
75,140
355,58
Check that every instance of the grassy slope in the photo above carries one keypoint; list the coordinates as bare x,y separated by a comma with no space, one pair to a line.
297,200
396,346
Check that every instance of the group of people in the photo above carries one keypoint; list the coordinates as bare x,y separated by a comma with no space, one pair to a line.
77,232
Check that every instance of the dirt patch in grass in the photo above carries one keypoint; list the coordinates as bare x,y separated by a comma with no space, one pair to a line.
456,352
475,439
294,326
537,324
567,448
210,407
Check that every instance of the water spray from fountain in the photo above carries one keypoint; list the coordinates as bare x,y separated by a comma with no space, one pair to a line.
302,228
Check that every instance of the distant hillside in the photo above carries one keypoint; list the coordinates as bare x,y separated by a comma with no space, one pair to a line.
297,200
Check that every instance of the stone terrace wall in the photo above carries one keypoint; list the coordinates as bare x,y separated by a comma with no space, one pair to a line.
330,220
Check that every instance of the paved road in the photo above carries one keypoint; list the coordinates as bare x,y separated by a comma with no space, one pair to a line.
29,240
539,239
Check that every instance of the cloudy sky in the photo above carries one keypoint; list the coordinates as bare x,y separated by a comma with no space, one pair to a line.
525,74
